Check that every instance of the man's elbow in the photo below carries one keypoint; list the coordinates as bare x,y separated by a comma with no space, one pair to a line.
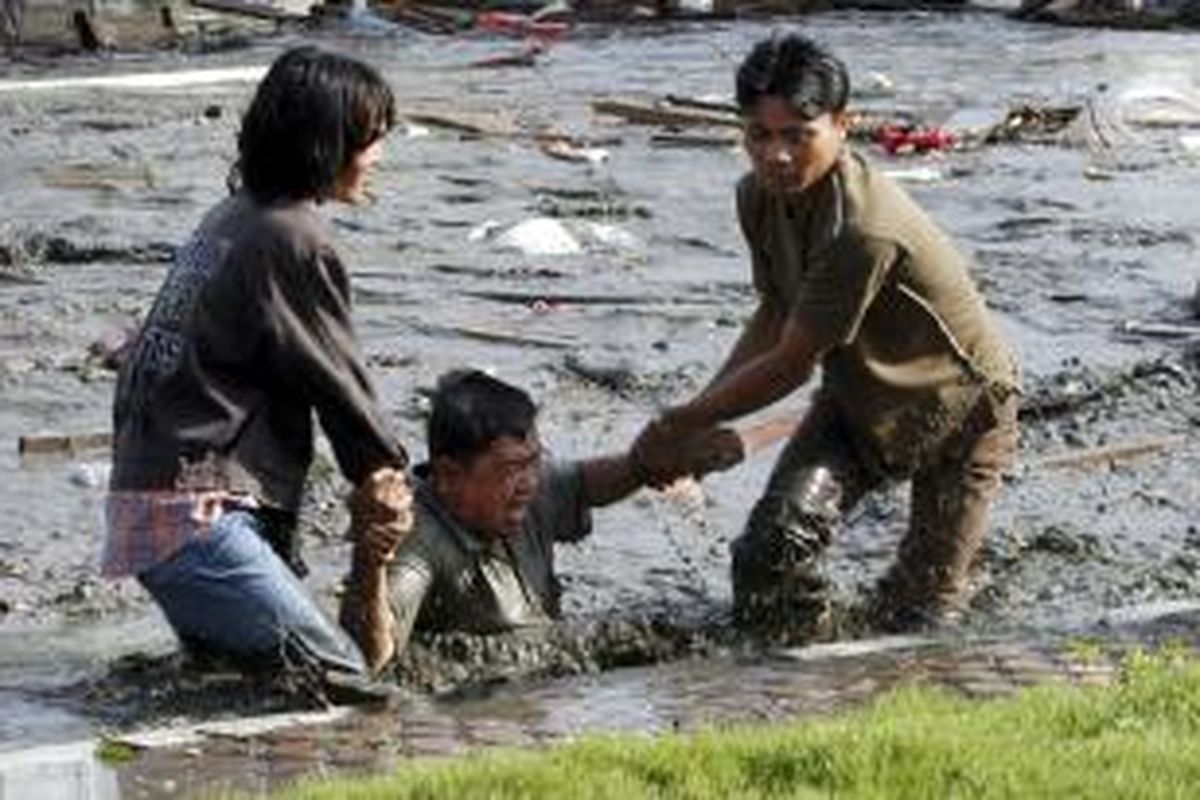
769,317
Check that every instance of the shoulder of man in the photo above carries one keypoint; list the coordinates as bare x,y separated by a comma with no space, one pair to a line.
434,541
879,212
559,512
751,199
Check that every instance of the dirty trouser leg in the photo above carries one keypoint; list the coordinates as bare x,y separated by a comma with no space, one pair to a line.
950,503
232,595
776,584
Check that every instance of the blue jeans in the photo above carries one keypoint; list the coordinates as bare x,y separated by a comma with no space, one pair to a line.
230,594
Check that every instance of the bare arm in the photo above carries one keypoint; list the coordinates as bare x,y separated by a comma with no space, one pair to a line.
758,382
607,479
611,478
760,333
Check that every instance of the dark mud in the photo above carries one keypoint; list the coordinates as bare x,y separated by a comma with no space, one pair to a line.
1072,243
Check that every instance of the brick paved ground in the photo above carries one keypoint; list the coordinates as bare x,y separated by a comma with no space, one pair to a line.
256,756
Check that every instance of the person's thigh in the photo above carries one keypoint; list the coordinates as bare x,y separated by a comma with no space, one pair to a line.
230,592
950,505
816,480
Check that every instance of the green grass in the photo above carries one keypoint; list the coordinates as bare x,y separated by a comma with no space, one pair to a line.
1139,738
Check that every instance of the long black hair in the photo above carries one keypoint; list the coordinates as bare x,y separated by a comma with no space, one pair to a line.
309,117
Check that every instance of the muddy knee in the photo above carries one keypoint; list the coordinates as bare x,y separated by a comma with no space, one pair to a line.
774,561
792,522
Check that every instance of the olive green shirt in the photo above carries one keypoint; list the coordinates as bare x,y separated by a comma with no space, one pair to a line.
909,346
448,578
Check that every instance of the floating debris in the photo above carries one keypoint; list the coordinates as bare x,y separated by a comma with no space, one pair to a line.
541,236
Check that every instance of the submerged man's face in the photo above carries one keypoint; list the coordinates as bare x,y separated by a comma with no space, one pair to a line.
791,153
491,493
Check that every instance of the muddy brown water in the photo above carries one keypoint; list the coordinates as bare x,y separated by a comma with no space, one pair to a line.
1071,243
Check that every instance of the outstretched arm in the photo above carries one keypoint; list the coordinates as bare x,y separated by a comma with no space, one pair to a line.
759,335
608,479
755,384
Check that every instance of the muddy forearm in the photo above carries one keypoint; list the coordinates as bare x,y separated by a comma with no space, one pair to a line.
610,478
759,382
759,335
365,613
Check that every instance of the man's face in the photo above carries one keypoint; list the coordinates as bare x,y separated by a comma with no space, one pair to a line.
491,493
791,153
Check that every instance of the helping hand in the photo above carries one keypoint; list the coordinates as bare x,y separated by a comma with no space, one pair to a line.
664,452
380,514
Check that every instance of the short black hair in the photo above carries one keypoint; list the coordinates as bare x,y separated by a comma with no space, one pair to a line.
797,69
312,113
471,409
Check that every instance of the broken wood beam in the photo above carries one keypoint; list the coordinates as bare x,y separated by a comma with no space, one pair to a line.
1108,454
39,444
499,336
1159,330
257,9
647,114
702,105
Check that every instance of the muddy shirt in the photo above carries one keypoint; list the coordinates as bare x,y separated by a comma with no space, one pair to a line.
447,578
248,336
909,345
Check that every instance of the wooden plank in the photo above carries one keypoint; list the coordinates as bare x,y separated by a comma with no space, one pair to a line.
35,444
1159,330
644,114
148,81
251,8
1108,454
498,336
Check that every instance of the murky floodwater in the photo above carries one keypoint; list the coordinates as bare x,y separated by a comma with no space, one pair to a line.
93,179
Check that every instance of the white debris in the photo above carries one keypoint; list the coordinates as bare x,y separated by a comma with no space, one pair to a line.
89,476
565,151
1094,172
611,236
877,84
1157,104
917,175
540,236
484,230
547,236
151,81
411,130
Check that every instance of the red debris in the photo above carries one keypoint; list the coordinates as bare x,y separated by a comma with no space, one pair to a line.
896,139
520,26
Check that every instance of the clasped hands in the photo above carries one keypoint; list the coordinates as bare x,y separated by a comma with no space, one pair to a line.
381,518
672,447
380,514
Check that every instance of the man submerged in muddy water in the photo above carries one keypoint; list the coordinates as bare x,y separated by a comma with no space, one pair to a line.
489,511
250,335
917,383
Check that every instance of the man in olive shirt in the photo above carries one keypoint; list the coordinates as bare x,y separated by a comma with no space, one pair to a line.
489,511
916,381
